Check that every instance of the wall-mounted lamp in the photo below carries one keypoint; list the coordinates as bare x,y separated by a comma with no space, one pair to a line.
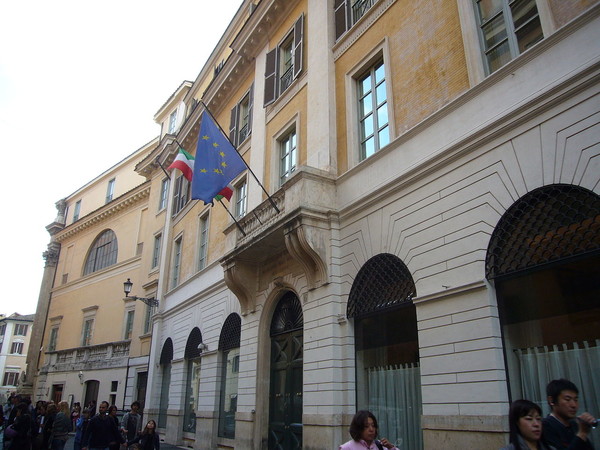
202,346
80,375
127,285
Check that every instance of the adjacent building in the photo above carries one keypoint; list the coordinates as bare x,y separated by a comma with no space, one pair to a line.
417,233
15,333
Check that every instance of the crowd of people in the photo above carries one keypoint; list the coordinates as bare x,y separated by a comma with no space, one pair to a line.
47,425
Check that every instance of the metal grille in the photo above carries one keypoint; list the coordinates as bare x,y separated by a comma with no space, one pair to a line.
288,315
546,225
166,355
383,282
230,333
191,347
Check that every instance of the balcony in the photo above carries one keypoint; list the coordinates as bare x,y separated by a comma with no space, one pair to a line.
102,356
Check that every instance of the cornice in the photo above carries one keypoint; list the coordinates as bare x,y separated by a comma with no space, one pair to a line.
102,214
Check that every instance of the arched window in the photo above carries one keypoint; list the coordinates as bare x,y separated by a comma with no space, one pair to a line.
192,386
388,377
103,252
229,346
544,260
166,356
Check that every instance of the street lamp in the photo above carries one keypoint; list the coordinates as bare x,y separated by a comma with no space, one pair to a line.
127,285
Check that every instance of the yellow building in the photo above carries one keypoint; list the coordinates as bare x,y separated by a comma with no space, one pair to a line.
15,334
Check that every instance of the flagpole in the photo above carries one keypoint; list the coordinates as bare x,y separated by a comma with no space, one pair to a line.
246,164
231,215
163,169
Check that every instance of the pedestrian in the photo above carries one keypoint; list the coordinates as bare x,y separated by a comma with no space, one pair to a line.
80,428
149,439
22,427
101,431
525,427
131,424
363,430
61,427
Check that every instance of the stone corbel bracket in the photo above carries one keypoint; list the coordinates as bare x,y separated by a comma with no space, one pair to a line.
306,243
241,278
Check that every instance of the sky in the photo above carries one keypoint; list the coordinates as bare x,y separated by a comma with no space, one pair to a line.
80,83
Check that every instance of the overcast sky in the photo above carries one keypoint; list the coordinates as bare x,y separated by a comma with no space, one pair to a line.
79,85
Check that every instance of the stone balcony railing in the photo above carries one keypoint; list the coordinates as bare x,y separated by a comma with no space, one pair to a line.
112,354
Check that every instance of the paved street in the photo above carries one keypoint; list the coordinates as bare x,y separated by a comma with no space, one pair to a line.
163,446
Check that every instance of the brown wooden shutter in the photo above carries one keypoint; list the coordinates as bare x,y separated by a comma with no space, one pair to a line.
298,34
271,77
341,17
250,104
233,125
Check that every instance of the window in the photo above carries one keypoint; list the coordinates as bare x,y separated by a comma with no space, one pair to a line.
284,63
176,263
287,151
241,199
203,242
156,251
77,210
181,194
86,334
2,329
193,359
507,28
103,252
348,12
229,345
16,348
129,315
172,122
373,111
148,319
240,124
164,191
110,190
20,329
53,339
10,379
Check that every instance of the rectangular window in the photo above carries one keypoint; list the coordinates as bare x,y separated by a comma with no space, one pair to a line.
53,339
16,348
164,191
110,190
176,263
148,319
203,242
172,122
373,111
10,379
284,63
86,334
129,315
241,199
77,210
181,194
156,251
20,329
348,12
229,392
507,28
287,151
2,329
240,124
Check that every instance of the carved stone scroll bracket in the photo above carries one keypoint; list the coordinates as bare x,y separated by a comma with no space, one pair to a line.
306,244
241,278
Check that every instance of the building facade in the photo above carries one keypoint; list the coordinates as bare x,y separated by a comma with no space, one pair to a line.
418,232
15,333
95,342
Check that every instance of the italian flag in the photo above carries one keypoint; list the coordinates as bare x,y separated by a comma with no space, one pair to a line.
226,192
184,162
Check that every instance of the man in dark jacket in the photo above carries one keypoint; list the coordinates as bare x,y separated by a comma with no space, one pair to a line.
101,431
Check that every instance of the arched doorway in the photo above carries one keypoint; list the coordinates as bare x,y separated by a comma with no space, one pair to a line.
166,356
285,394
92,387
229,346
544,261
388,377
192,377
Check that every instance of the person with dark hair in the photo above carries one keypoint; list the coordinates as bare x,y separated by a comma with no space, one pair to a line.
22,426
101,431
525,426
81,427
563,428
149,439
363,430
131,424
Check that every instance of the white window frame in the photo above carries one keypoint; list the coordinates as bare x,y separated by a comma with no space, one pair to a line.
164,194
128,320
150,310
87,332
203,240
110,190
76,210
16,348
380,52
176,261
156,251
10,378
241,198
172,122
20,329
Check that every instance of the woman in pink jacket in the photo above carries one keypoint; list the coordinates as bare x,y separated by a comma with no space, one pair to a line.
363,430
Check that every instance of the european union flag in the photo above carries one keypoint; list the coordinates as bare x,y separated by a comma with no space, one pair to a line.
217,161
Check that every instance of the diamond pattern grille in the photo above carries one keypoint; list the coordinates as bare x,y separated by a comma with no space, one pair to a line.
546,225
288,315
230,334
166,355
191,347
383,282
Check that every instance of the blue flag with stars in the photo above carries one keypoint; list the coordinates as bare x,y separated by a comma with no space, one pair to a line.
217,161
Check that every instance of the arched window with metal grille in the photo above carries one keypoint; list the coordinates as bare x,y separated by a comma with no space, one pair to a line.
229,346
192,358
166,356
103,252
